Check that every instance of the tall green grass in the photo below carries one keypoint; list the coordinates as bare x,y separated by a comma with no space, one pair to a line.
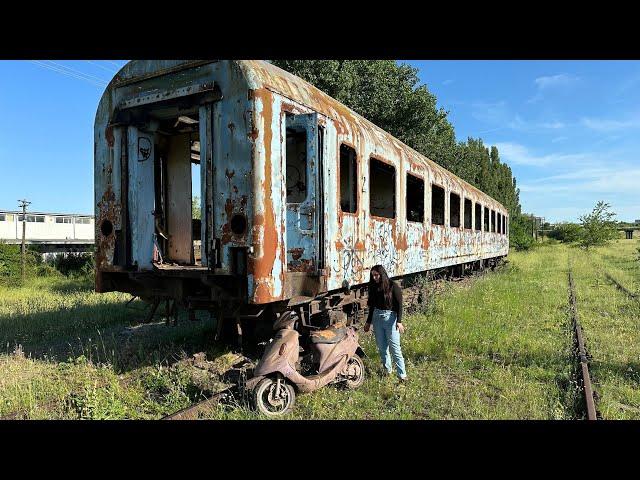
492,347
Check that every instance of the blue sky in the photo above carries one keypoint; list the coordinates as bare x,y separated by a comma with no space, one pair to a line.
568,129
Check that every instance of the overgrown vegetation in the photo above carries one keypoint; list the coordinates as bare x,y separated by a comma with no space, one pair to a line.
497,346
598,227
566,232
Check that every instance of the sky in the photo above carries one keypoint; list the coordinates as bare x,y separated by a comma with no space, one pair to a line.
568,129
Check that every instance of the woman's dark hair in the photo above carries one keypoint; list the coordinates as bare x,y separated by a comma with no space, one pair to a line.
384,286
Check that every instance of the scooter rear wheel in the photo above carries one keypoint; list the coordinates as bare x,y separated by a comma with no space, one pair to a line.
268,402
354,372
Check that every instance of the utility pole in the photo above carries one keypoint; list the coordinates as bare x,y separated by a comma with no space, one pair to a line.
23,204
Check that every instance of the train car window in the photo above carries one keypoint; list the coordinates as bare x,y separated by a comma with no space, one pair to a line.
504,224
493,221
454,210
382,189
415,199
3,217
499,222
507,227
468,213
486,219
40,218
478,215
348,179
296,166
437,205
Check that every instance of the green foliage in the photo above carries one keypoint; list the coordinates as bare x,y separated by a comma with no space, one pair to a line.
390,96
74,264
520,228
566,232
11,266
195,208
598,227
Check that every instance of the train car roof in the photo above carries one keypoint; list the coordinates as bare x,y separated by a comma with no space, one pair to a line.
262,74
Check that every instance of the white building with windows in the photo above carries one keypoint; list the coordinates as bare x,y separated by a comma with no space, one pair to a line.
55,230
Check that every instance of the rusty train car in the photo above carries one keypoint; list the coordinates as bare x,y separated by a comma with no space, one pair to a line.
300,195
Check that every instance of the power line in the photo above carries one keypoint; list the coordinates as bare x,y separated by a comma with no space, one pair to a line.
73,75
110,70
58,70
77,71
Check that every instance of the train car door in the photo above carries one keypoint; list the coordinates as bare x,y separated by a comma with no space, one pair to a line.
141,195
303,226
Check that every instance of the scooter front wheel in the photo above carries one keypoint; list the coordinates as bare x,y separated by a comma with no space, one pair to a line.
272,399
354,371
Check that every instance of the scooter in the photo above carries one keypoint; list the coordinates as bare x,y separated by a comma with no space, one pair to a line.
333,355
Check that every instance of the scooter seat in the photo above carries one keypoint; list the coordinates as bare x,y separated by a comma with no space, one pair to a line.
333,334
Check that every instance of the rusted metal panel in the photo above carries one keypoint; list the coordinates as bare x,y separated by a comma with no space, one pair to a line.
243,155
179,199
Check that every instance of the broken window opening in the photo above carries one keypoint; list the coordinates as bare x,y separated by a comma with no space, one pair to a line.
454,210
348,179
415,199
486,219
499,222
296,165
437,205
493,221
478,215
468,213
382,191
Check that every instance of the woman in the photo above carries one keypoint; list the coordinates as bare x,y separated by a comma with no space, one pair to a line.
385,311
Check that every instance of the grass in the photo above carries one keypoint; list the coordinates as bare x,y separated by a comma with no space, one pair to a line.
610,321
493,347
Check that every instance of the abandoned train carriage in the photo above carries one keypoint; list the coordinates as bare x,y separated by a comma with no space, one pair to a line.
300,195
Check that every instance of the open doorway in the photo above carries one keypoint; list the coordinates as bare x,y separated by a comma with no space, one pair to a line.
178,191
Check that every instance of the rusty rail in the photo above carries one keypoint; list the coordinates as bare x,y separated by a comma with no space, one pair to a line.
621,287
582,353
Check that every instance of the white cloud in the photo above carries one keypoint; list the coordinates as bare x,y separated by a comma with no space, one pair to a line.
561,80
553,125
605,125
447,82
519,154
559,139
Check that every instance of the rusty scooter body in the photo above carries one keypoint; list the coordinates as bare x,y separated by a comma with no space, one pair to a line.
332,355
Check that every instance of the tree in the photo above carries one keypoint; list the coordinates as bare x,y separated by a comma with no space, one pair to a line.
520,237
195,208
566,232
598,227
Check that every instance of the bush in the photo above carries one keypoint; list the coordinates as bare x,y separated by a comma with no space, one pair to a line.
74,263
11,261
566,232
598,227
520,236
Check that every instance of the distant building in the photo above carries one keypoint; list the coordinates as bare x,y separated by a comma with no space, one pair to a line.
53,232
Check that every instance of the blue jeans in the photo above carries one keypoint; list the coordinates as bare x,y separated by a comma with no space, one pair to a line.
388,338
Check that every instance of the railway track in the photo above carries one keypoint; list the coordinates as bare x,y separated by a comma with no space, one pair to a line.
621,287
581,353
